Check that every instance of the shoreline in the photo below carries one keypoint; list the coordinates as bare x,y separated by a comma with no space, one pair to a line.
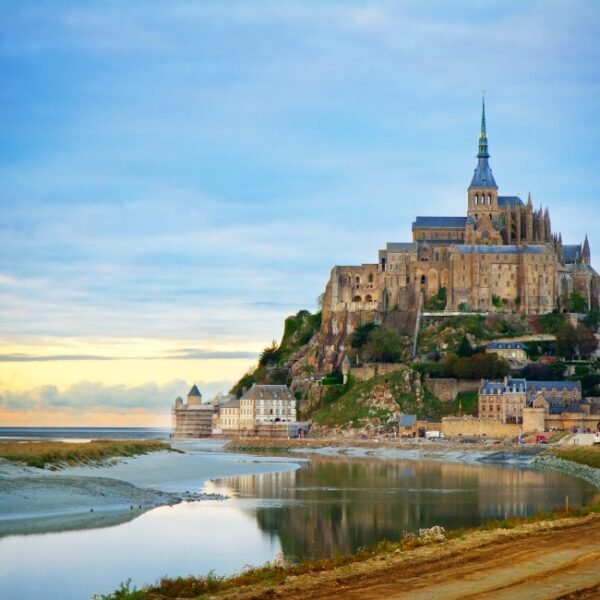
34,500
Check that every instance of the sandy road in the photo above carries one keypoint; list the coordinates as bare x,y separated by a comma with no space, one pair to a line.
536,562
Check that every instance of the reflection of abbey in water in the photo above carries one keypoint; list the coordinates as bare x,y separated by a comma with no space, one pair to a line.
335,505
503,253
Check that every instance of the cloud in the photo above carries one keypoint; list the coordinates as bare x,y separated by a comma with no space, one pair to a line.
188,354
86,396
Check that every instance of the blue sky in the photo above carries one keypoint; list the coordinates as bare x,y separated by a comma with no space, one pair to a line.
187,173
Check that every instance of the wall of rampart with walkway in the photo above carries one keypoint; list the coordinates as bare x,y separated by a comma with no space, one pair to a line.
475,427
447,388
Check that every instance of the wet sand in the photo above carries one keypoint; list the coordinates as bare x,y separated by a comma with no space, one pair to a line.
36,500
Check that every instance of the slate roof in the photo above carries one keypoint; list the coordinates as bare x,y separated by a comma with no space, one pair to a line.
233,403
407,420
194,391
498,387
549,385
475,249
401,247
510,201
571,252
482,176
506,346
441,222
268,392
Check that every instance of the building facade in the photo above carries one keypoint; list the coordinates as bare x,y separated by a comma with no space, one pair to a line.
192,418
513,352
504,401
502,255
267,404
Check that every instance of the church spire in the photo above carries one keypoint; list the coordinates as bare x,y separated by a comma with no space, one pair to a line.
483,178
585,253
483,147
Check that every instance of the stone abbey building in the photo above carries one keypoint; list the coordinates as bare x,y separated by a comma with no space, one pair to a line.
503,255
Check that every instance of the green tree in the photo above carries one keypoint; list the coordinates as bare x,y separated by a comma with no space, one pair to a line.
586,341
576,303
361,335
270,355
383,345
566,341
465,348
592,319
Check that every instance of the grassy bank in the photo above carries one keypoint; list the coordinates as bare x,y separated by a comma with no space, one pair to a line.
588,455
56,454
277,572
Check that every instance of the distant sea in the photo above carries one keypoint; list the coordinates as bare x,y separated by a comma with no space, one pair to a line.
82,434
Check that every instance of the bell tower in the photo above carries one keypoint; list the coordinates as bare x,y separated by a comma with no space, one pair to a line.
482,195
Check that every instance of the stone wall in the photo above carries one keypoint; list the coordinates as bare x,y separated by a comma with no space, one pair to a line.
446,389
372,370
534,419
475,427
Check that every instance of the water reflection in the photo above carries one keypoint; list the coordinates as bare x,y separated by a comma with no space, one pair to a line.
334,505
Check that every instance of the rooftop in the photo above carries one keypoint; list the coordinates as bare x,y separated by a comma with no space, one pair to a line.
440,222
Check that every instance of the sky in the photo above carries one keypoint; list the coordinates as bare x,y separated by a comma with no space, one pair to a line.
177,177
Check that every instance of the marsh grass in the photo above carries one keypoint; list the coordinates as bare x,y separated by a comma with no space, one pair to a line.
57,454
588,455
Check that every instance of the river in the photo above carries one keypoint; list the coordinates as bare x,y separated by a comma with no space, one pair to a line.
306,509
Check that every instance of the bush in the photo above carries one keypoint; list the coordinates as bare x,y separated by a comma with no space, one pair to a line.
361,335
577,303
551,322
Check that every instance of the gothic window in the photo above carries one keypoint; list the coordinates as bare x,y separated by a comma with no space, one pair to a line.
357,279
371,278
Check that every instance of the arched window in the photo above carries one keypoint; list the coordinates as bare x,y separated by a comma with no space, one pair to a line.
423,279
371,278
489,199
476,199
369,298
357,279
357,299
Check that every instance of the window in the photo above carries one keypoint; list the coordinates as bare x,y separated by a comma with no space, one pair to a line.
476,199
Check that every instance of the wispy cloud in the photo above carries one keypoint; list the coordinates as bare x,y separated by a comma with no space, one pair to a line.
192,170
85,396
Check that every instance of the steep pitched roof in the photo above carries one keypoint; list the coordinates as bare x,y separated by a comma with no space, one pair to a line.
194,391
549,385
571,253
268,392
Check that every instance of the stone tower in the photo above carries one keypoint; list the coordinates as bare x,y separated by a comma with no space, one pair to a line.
194,397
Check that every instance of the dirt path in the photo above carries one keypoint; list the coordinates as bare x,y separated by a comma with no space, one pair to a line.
536,562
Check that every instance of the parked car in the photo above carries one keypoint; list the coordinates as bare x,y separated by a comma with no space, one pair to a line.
541,439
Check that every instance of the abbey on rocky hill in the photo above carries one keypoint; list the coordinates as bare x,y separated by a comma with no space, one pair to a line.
503,255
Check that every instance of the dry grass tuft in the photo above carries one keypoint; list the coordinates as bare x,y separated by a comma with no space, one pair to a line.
57,454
